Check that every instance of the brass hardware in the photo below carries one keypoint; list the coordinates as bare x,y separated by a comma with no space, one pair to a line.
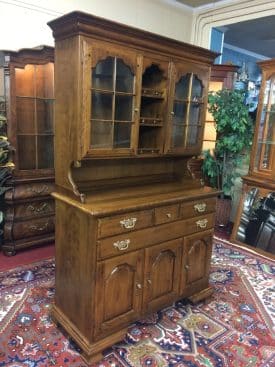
122,245
39,229
128,223
138,286
202,223
39,190
77,164
169,215
186,267
200,207
136,109
172,113
149,281
43,207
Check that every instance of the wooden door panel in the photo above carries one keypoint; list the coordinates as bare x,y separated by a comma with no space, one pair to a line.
162,264
197,250
119,291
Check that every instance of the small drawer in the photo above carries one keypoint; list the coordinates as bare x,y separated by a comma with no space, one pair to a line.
165,214
116,224
200,223
198,207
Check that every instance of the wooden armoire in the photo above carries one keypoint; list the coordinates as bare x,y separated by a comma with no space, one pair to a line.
28,76
133,229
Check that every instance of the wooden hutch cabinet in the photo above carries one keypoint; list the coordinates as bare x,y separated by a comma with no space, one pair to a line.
255,222
133,230
29,97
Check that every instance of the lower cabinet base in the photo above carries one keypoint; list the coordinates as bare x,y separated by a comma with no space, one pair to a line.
92,352
10,248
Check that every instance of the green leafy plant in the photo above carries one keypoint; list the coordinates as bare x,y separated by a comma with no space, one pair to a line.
234,129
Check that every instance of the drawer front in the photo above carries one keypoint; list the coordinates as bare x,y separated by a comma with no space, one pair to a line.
26,191
198,207
30,228
31,209
117,224
167,213
201,223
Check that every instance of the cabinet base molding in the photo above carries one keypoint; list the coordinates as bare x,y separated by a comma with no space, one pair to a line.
205,293
90,352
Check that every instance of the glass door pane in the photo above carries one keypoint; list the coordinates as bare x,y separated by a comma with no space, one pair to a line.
112,104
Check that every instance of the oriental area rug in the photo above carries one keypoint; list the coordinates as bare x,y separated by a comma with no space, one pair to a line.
233,328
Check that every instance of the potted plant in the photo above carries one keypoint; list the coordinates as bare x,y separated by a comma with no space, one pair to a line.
234,129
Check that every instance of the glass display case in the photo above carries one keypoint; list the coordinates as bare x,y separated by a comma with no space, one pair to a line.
255,221
28,88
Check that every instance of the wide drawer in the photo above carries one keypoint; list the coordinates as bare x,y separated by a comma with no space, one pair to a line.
197,207
30,210
167,213
29,228
26,191
117,224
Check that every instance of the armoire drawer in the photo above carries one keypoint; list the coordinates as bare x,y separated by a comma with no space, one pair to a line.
31,209
117,224
200,223
29,228
167,213
198,207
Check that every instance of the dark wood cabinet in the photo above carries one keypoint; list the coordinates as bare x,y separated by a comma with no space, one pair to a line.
129,115
29,98
255,220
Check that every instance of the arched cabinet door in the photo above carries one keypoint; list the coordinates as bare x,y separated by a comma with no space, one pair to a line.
112,104
161,283
186,109
197,250
119,292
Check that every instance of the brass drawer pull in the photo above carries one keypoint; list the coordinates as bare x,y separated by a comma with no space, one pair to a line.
122,245
139,286
128,223
35,228
169,215
43,207
200,207
202,223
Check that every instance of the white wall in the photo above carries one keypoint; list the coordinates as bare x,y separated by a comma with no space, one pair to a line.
23,23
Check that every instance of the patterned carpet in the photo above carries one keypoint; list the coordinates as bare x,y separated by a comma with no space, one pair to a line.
233,328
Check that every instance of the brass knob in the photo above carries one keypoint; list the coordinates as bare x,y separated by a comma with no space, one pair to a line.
138,286
169,215
186,267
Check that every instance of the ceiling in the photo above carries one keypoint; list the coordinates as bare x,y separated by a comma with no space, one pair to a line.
197,3
257,35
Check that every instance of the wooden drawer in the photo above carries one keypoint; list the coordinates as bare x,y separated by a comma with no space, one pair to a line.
165,214
30,210
198,207
29,228
200,223
26,191
116,224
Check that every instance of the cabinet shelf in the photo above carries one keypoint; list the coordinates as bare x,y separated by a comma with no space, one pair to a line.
112,92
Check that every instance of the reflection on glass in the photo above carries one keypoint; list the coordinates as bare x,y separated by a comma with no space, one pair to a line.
45,151
266,92
123,108
192,135
124,78
180,110
194,114
122,135
153,77
102,106
182,87
196,92
44,110
25,110
178,135
102,134
103,75
26,151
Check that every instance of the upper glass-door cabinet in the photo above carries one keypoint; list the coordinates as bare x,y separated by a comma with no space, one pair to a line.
187,109
264,144
113,98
